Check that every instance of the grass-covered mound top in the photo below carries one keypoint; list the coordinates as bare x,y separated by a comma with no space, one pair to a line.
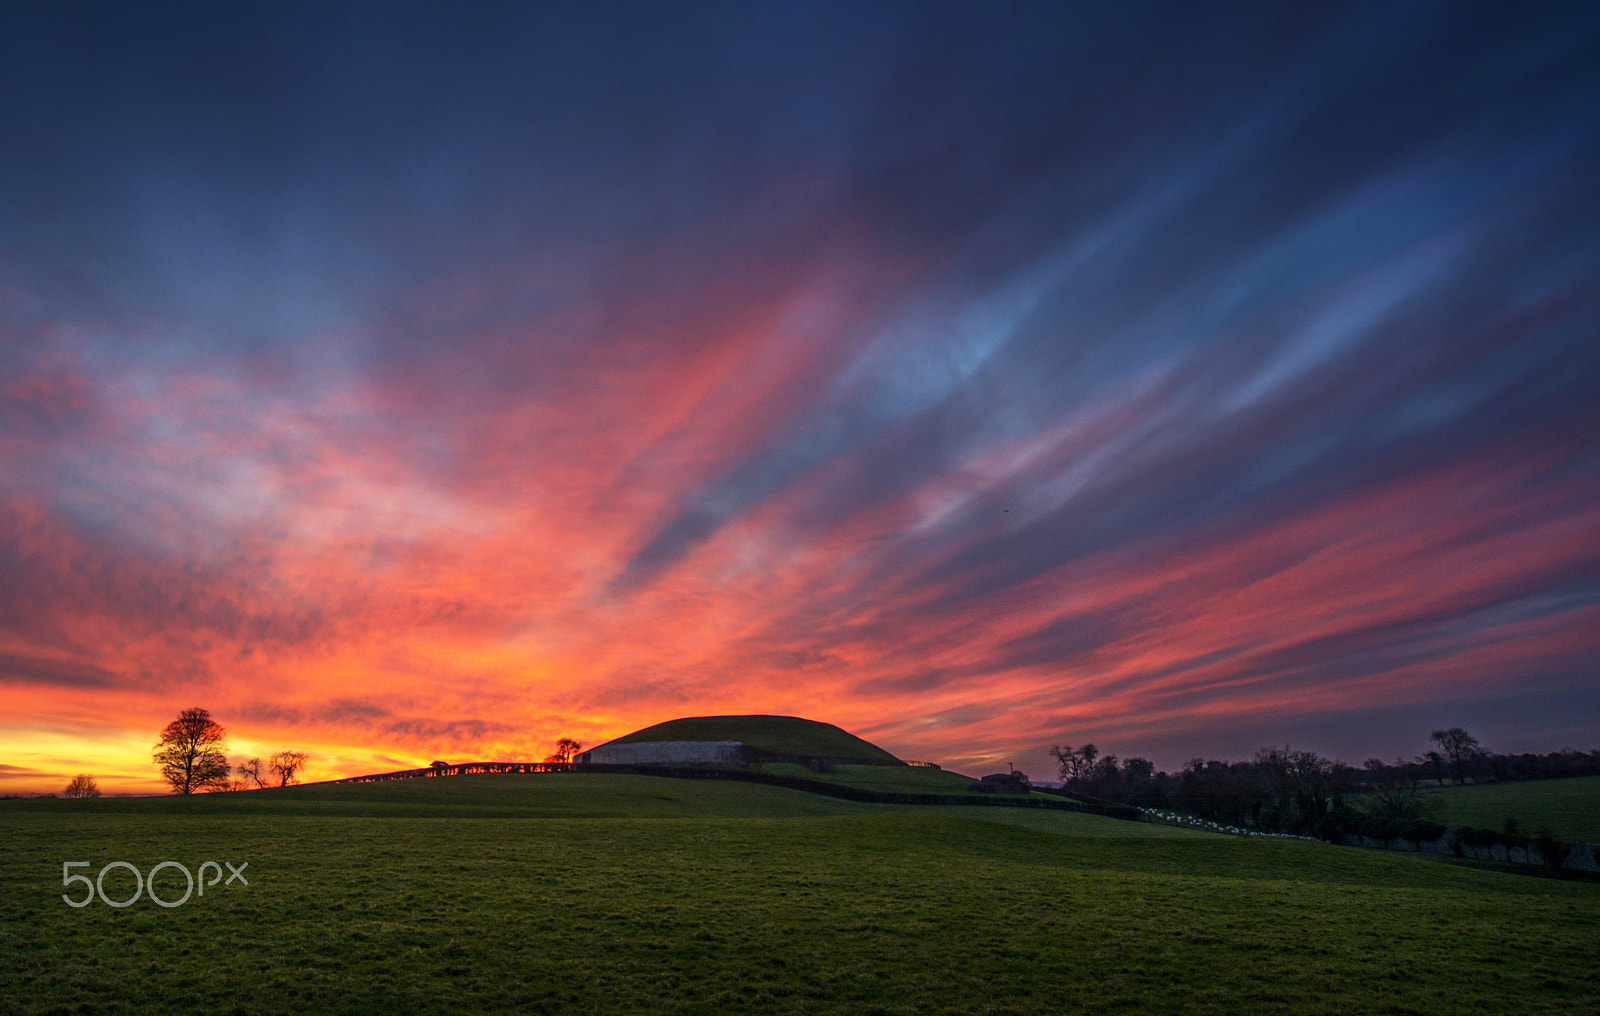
778,735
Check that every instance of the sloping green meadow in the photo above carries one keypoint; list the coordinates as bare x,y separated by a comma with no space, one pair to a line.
1569,808
900,779
617,894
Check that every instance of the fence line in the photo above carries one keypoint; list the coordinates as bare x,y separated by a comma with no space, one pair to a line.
459,769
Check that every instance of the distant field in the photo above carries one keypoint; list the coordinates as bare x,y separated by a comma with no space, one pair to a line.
1570,808
586,893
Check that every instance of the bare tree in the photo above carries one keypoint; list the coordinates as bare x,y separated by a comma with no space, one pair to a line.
1459,748
285,764
251,771
1395,792
1434,760
1075,764
190,753
1066,760
82,785
1307,787
566,750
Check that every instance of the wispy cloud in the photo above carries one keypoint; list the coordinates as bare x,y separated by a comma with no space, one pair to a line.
975,382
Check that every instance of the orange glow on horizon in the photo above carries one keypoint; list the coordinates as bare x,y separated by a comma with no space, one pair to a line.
492,644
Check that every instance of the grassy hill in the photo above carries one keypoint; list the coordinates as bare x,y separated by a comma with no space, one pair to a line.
780,735
506,796
566,893
1569,808
490,796
895,779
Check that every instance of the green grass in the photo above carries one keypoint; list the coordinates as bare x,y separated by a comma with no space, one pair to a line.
894,779
558,796
898,779
1067,823
1569,808
783,735
498,894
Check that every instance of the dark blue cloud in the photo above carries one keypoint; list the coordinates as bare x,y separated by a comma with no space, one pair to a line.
1374,254
31,669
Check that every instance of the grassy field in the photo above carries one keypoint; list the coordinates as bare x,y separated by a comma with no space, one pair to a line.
897,779
1569,808
583,893
908,779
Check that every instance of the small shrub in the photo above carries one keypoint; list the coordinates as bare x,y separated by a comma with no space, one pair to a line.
1422,831
1381,827
1512,841
82,785
1475,837
1548,849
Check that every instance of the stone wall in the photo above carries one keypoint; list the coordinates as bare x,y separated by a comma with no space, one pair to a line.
1582,857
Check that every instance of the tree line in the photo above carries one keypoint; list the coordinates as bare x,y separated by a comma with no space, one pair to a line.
1294,791
192,757
1460,758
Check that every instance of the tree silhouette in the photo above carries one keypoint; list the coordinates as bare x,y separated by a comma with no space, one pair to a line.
285,764
82,785
1459,747
1304,786
1434,760
1076,764
252,770
566,750
190,753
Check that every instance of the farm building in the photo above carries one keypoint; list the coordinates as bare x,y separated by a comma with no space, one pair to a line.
668,753
1003,783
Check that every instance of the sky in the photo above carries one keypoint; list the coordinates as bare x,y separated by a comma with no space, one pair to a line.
404,382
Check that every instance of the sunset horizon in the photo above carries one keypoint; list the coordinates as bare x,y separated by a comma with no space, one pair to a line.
402,384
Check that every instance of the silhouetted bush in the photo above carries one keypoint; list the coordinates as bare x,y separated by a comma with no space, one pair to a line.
1550,850
1423,831
1475,837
